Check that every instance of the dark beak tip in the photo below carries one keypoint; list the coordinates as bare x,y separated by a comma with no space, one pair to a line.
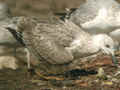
114,60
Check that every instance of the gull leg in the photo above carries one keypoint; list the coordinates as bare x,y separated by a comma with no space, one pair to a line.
28,58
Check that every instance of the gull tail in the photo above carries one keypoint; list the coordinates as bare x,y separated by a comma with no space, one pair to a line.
16,35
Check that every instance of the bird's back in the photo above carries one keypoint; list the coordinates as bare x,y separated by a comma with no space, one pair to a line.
62,33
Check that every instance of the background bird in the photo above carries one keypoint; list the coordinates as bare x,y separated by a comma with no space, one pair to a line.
6,38
97,16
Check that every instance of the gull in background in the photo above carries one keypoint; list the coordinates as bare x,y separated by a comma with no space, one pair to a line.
6,37
97,16
60,43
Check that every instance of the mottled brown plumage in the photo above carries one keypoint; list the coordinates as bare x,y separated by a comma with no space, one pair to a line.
58,44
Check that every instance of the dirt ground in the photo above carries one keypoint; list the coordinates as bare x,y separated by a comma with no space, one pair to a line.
86,78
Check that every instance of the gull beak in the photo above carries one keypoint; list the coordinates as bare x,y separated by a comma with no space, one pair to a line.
114,59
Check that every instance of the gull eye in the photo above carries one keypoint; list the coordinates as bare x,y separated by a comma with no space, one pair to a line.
108,46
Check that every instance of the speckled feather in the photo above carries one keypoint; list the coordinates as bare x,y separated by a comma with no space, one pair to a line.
50,40
58,45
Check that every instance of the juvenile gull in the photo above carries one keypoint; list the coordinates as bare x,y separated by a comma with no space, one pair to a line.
97,16
60,43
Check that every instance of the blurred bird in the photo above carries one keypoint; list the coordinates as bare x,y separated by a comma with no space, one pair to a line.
60,43
6,37
97,16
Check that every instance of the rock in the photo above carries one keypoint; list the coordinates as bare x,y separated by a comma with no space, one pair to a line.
8,62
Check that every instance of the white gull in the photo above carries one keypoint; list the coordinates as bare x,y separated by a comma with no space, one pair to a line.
97,16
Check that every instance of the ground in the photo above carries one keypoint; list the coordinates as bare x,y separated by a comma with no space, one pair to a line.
86,78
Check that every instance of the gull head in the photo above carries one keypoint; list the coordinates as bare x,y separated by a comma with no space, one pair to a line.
106,44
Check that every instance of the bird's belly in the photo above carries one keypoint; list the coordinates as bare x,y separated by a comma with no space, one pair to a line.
83,53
